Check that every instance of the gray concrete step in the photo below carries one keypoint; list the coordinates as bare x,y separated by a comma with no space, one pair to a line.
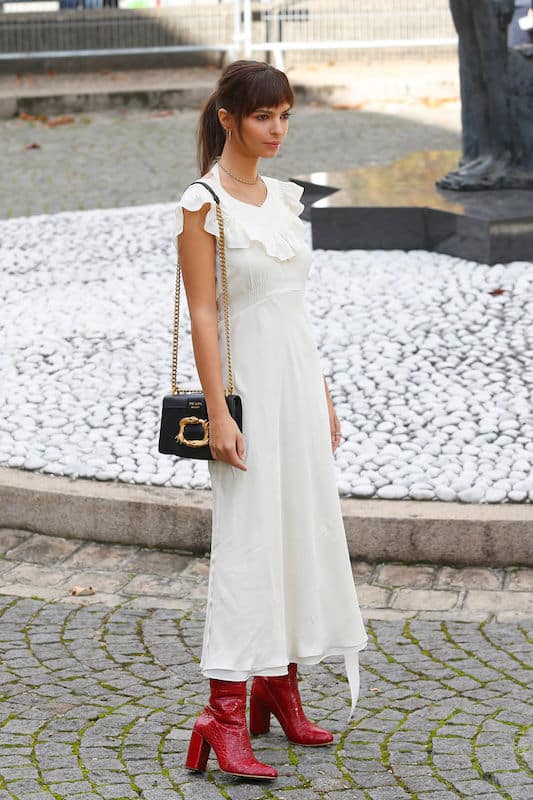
158,516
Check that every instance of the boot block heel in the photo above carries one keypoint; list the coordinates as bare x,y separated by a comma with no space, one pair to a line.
199,749
259,716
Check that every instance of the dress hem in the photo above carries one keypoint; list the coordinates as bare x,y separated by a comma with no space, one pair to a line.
351,661
281,669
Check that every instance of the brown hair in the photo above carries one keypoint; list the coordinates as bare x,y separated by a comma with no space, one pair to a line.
243,87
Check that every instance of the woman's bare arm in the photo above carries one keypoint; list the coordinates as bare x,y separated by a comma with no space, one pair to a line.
197,258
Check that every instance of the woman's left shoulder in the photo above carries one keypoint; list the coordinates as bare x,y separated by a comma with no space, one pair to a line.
290,193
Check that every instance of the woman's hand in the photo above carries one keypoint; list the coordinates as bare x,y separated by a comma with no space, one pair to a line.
334,426
226,440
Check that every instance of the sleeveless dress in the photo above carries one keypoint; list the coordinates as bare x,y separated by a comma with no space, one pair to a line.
281,587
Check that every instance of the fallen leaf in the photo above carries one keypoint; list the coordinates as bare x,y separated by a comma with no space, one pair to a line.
33,146
79,590
348,106
495,292
435,102
64,119
33,117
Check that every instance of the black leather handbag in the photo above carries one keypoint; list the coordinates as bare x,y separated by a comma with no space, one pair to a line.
184,430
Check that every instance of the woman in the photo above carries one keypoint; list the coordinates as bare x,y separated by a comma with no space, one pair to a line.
281,589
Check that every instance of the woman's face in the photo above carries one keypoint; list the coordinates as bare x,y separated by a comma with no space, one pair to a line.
263,131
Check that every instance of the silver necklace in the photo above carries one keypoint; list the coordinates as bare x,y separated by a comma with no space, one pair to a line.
241,180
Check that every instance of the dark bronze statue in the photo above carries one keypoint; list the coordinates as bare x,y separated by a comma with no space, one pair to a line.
496,100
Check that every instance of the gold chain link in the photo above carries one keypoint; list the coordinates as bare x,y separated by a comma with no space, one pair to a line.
222,255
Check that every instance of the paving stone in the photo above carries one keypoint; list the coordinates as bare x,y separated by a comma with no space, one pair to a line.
122,792
363,570
472,788
44,550
429,599
154,585
373,780
37,576
165,563
24,787
52,775
155,601
514,616
11,538
479,599
389,793
100,598
412,575
196,568
456,614
521,580
101,581
386,613
372,596
197,790
469,578
20,773
100,555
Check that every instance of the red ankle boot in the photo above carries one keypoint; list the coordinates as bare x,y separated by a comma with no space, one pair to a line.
222,726
280,696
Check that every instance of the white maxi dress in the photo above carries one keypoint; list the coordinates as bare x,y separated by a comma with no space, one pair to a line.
281,587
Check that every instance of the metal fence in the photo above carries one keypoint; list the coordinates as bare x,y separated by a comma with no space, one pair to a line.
312,30
288,32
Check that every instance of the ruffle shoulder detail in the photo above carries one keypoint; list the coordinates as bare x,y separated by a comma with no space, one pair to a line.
281,236
292,193
193,198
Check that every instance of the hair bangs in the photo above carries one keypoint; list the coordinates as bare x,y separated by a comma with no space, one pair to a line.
267,88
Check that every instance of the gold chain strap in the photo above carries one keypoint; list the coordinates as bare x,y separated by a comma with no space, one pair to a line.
222,254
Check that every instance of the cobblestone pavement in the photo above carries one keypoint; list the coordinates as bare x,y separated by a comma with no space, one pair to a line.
99,692
122,158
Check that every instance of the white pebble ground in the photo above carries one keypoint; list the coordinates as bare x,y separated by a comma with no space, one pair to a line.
430,371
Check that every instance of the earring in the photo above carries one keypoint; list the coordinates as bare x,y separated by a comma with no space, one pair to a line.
228,133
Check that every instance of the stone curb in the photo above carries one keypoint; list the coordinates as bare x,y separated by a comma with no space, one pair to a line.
192,97
151,98
102,100
165,517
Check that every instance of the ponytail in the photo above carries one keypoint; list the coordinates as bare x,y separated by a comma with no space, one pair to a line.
211,136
